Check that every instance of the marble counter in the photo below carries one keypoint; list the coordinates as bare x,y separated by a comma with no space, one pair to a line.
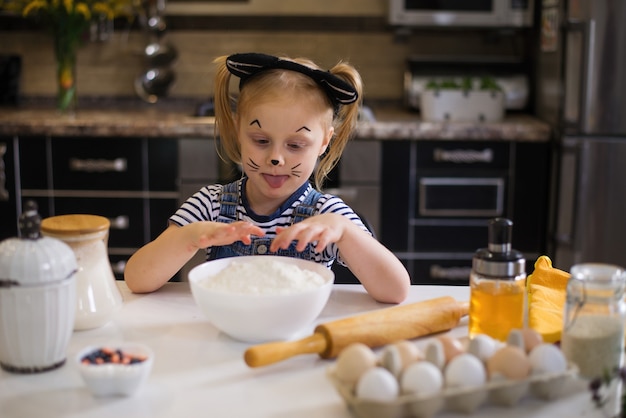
390,124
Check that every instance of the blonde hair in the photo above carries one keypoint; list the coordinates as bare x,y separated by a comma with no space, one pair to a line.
274,82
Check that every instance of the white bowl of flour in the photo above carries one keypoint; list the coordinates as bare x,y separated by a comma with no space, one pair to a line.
261,298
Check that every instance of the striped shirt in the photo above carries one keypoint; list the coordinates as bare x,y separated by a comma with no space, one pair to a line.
204,205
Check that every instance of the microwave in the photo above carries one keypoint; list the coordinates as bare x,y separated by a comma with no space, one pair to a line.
463,13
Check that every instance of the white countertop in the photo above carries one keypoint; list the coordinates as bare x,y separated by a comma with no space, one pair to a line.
200,372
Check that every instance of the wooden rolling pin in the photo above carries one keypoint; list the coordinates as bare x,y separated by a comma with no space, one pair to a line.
376,328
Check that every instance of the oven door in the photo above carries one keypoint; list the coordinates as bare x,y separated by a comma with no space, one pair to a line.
461,196
449,13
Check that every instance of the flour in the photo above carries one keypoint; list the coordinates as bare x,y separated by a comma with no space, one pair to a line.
594,343
263,276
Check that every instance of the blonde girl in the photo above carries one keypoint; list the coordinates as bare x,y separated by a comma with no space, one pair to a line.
291,122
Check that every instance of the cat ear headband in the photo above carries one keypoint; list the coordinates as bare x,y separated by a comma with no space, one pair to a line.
247,65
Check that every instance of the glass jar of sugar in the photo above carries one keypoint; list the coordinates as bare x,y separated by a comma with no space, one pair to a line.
593,320
97,294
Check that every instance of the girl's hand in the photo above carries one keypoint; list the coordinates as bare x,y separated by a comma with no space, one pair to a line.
206,234
325,229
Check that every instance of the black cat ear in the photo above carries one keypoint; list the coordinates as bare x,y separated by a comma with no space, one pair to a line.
247,65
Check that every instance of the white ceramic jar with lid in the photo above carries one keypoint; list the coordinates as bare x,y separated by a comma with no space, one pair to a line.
97,294
37,297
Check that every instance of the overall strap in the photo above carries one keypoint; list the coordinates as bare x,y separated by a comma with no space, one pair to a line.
229,199
307,207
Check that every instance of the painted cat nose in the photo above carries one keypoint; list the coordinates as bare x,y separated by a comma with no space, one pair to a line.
274,162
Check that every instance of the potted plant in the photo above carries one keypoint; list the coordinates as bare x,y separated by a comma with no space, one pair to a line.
464,100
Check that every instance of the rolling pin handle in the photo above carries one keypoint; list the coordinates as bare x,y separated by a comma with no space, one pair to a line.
264,354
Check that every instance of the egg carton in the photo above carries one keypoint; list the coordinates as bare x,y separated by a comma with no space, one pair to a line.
505,393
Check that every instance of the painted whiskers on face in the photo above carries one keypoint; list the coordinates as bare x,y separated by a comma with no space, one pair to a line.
295,172
253,166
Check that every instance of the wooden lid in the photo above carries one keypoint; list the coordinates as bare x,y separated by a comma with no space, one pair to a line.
75,224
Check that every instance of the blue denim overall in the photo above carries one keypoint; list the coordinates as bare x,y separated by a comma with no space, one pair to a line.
229,199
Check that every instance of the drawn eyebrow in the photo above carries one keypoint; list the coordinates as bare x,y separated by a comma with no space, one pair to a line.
304,127
255,121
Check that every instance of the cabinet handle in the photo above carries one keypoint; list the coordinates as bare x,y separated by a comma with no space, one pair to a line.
465,156
449,273
4,193
120,222
98,165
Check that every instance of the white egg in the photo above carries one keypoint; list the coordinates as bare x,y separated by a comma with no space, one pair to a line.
547,358
465,370
482,346
378,384
396,357
435,354
423,378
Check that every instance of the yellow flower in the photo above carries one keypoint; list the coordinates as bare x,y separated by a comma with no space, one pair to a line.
78,10
83,9
68,4
33,6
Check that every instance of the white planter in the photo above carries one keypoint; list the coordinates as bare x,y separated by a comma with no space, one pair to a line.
462,106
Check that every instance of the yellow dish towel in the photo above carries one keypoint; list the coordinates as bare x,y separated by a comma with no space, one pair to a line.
546,288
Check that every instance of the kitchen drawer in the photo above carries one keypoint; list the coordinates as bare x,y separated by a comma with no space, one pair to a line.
462,155
33,163
160,212
126,216
162,164
439,235
454,270
8,190
97,164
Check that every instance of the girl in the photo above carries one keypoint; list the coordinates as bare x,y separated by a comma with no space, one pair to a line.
292,121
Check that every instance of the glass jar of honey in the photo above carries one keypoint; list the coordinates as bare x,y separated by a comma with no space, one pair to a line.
497,285
97,294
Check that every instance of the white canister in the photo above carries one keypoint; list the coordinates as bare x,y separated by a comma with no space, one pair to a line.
37,297
97,294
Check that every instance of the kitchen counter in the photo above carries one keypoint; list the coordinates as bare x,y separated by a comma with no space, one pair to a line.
390,123
199,371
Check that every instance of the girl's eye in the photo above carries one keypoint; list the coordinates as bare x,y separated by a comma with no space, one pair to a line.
295,145
260,140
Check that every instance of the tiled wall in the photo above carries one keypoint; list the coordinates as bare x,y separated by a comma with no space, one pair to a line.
110,68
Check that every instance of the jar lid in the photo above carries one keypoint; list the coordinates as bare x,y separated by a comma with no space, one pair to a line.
78,224
499,260
33,259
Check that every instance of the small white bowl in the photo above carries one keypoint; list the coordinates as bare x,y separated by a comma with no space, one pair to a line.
260,317
114,379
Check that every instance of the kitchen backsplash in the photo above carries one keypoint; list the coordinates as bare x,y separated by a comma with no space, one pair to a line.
109,68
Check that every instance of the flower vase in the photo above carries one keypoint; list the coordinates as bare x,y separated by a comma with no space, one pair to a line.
65,48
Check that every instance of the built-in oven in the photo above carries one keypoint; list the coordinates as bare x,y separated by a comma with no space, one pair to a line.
438,197
475,13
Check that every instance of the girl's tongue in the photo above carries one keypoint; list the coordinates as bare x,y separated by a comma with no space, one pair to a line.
275,181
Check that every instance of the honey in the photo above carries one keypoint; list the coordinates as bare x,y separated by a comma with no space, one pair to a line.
496,307
497,285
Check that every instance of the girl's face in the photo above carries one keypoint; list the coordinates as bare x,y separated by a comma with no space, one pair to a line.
280,142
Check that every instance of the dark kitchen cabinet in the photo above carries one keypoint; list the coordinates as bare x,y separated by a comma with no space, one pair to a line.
8,189
131,181
439,195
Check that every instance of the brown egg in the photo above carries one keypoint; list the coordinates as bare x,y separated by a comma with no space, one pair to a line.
509,362
531,339
451,347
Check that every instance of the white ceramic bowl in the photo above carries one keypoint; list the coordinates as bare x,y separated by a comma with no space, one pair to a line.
111,379
260,317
